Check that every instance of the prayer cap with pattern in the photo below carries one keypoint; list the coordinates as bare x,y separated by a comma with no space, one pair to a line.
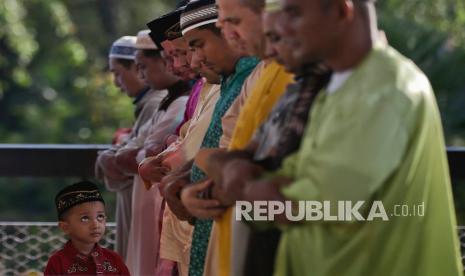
77,193
198,13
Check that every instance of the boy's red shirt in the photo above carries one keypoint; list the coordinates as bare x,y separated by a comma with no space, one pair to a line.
100,261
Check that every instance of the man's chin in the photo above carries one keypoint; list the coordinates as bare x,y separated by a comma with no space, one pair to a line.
212,68
299,55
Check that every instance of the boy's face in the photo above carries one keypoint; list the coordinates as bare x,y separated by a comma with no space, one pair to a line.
85,223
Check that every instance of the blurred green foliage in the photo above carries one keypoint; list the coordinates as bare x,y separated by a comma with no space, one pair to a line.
432,34
54,85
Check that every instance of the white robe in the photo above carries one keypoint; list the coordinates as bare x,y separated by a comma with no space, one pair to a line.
147,206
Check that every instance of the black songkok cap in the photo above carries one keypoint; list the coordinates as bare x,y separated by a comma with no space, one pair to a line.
81,192
165,27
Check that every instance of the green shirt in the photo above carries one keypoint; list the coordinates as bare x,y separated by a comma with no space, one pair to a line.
377,137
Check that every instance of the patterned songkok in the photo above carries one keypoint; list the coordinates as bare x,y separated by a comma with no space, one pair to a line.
198,13
75,194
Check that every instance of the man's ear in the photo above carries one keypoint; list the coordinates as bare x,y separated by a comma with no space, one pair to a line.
64,226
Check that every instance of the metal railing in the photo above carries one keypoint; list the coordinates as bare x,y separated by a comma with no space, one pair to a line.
26,246
462,243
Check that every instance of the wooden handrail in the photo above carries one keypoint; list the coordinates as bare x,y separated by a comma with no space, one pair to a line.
49,160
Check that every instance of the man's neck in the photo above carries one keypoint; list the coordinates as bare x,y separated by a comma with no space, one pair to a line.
232,68
171,82
140,93
261,49
141,88
352,53
357,43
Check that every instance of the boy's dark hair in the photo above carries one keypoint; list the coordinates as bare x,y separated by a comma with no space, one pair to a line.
74,194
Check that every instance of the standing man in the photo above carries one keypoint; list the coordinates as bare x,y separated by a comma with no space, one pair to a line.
176,234
375,136
241,22
147,207
124,70
208,45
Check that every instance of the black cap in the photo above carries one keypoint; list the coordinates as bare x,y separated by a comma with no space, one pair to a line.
181,3
165,27
77,193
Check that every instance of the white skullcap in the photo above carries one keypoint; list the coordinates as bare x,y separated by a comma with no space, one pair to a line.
144,42
123,47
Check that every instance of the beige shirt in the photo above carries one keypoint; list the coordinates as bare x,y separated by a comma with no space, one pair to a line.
150,102
200,121
187,146
176,235
123,188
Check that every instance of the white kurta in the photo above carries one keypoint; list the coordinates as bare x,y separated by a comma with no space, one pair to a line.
147,206
123,188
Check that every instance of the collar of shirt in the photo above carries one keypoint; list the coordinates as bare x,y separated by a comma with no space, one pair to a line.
141,95
138,102
179,87
82,261
243,64
337,80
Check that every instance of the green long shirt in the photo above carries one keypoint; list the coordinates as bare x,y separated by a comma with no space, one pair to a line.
376,138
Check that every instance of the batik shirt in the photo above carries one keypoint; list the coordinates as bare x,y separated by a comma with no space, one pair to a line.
69,261
281,133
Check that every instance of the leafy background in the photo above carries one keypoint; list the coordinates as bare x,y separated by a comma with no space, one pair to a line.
55,88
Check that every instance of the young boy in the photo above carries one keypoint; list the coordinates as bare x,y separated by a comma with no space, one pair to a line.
81,216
